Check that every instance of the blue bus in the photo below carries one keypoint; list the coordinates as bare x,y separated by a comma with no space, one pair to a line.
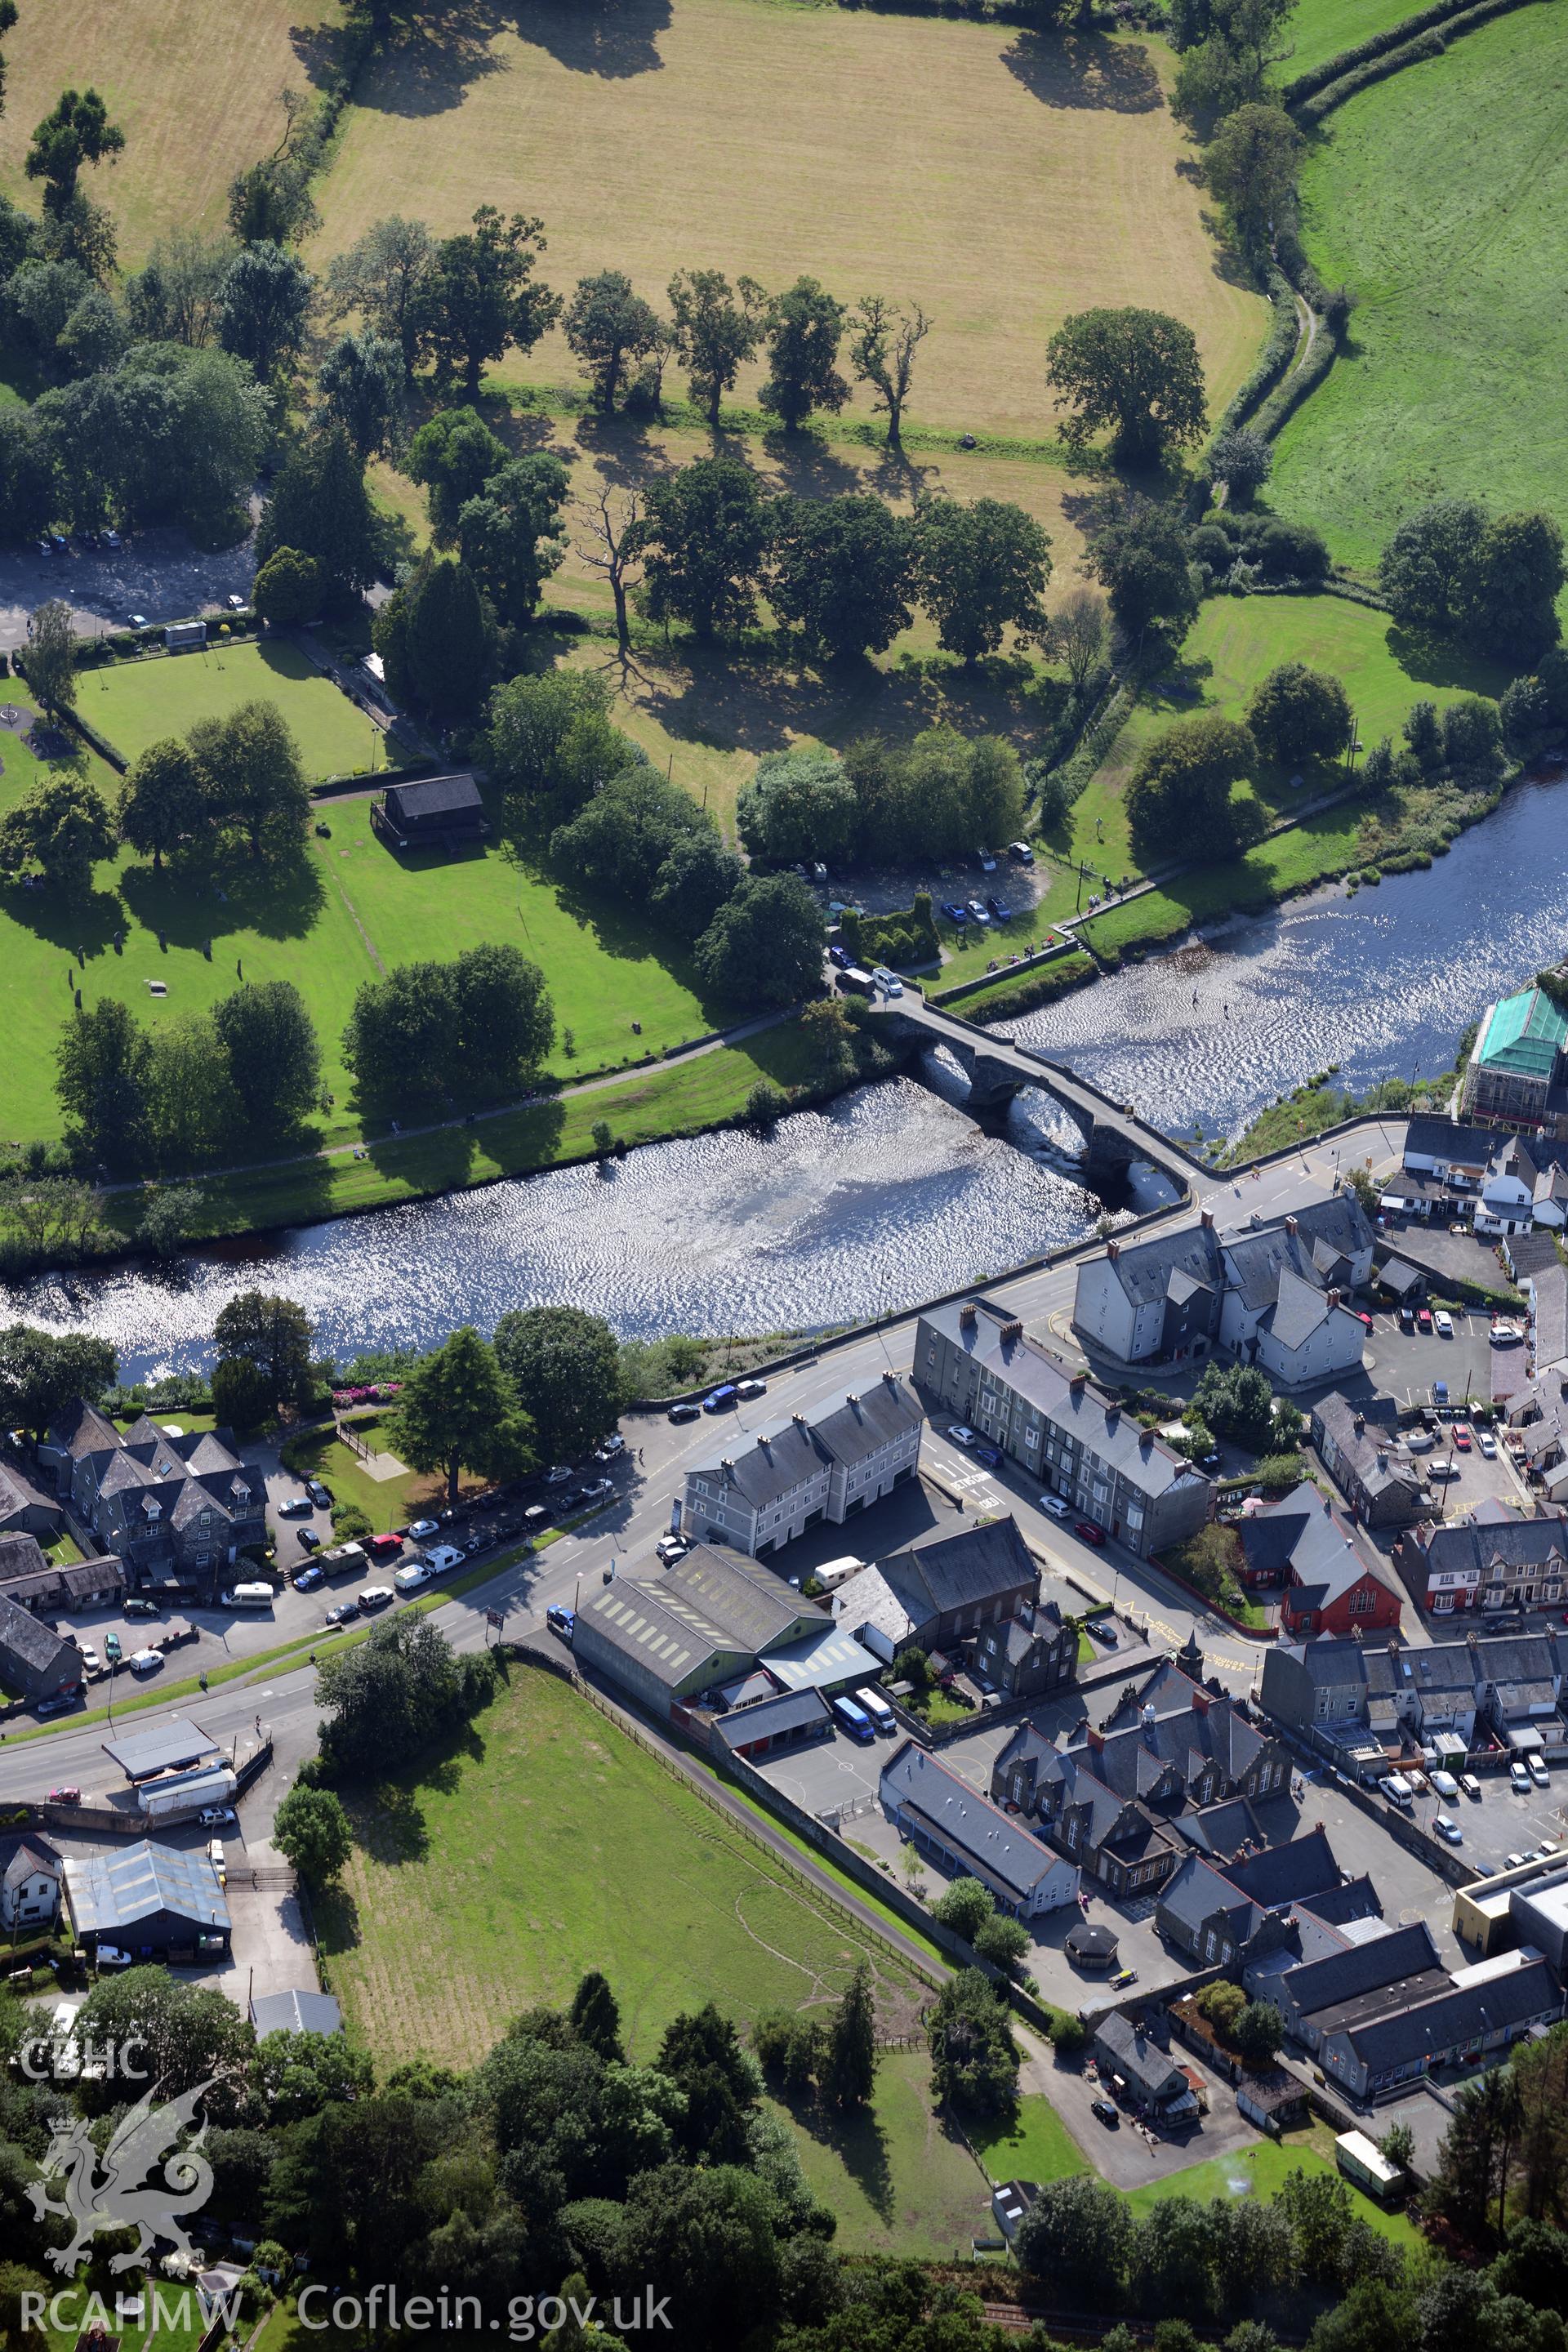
855,1721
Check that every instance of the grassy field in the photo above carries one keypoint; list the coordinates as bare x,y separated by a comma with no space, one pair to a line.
195,89
1439,196
1034,2144
1233,645
1007,179
136,703
899,2183
1261,2170
350,910
1321,29
544,1844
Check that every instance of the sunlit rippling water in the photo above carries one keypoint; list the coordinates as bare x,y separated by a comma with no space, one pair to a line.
893,1195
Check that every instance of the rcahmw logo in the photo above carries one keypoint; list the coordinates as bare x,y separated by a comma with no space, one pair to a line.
113,2192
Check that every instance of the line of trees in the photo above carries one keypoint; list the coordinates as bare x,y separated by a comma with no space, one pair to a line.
943,795
1453,571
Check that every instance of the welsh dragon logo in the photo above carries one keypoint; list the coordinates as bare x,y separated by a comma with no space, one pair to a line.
117,2197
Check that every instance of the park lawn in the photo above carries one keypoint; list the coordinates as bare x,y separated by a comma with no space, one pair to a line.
386,1503
1034,2144
134,703
196,90
1320,29
1230,648
1012,178
1262,2171
898,2181
1439,196
492,1874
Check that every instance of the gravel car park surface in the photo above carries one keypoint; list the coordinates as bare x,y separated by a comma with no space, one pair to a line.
158,573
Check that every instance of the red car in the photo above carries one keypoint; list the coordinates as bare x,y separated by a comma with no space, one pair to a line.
64,1796
1462,1435
1091,1533
1424,1317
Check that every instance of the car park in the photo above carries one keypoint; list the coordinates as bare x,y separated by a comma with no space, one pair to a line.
1090,1534
344,1613
1057,1508
139,1608
561,1621
955,911
420,1528
1020,853
295,1507
374,1597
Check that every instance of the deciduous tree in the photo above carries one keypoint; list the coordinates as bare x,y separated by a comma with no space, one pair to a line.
1178,797
361,384
1426,569
609,327
162,800
436,640
1136,372
263,305
764,945
511,536
454,454
1243,460
77,131
702,540
805,326
975,2059
979,568
609,541
288,589
42,1373
253,776
274,1061
1296,713
311,1830
799,804
385,276
1250,164
62,824
51,654
321,506
1143,559
563,1365
843,570
717,330
1074,634
272,1333
883,341
481,297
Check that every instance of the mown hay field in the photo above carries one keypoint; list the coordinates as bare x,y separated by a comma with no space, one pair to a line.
1001,178
195,86
491,1878
1440,196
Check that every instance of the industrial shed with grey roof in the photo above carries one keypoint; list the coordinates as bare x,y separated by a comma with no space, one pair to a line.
155,1902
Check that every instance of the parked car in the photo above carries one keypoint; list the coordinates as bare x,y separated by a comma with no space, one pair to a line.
1536,1766
990,1455
987,860
376,1596
343,1614
384,1548
679,1413
1516,1860
976,911
138,1607
1448,1827
1090,1534
1108,1635
999,910
1440,1398
1462,1435
1471,1786
1444,1783
295,1507
307,1538
1105,2110
561,1621
70,1795
888,981
62,1702
1123,1978
111,1649
955,911
1518,1778
218,1817
420,1528
1407,1319
1396,1788
410,1578
1057,1508
599,1491
309,1580
320,1495
839,956
89,1657
1020,853
961,1435
749,1391
1443,1323
1459,1226
672,1548
146,1662
215,1856
615,1444
558,1474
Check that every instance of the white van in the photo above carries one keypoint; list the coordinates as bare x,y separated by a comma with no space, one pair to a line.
410,1578
888,981
250,1596
877,1707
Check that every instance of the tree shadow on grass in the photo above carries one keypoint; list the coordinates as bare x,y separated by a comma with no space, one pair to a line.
860,2144
1085,70
1432,661
79,927
438,47
279,900
337,1920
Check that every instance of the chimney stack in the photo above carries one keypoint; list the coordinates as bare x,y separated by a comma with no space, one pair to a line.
1093,1739
1206,1220
1201,1700
966,1313
1014,1330
1291,1227
1114,1250
1333,1299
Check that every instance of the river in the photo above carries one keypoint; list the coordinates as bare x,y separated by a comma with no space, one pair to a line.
893,1194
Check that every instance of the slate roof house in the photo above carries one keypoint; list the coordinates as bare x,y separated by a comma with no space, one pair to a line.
800,1472
1150,2074
1036,1649
1456,1154
26,1576
1378,1478
1480,1564
1355,1982
1524,1186
973,1357
436,813
1274,1293
24,1511
939,1592
30,1880
34,1662
1479,2008
180,1509
1221,1913
971,1837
